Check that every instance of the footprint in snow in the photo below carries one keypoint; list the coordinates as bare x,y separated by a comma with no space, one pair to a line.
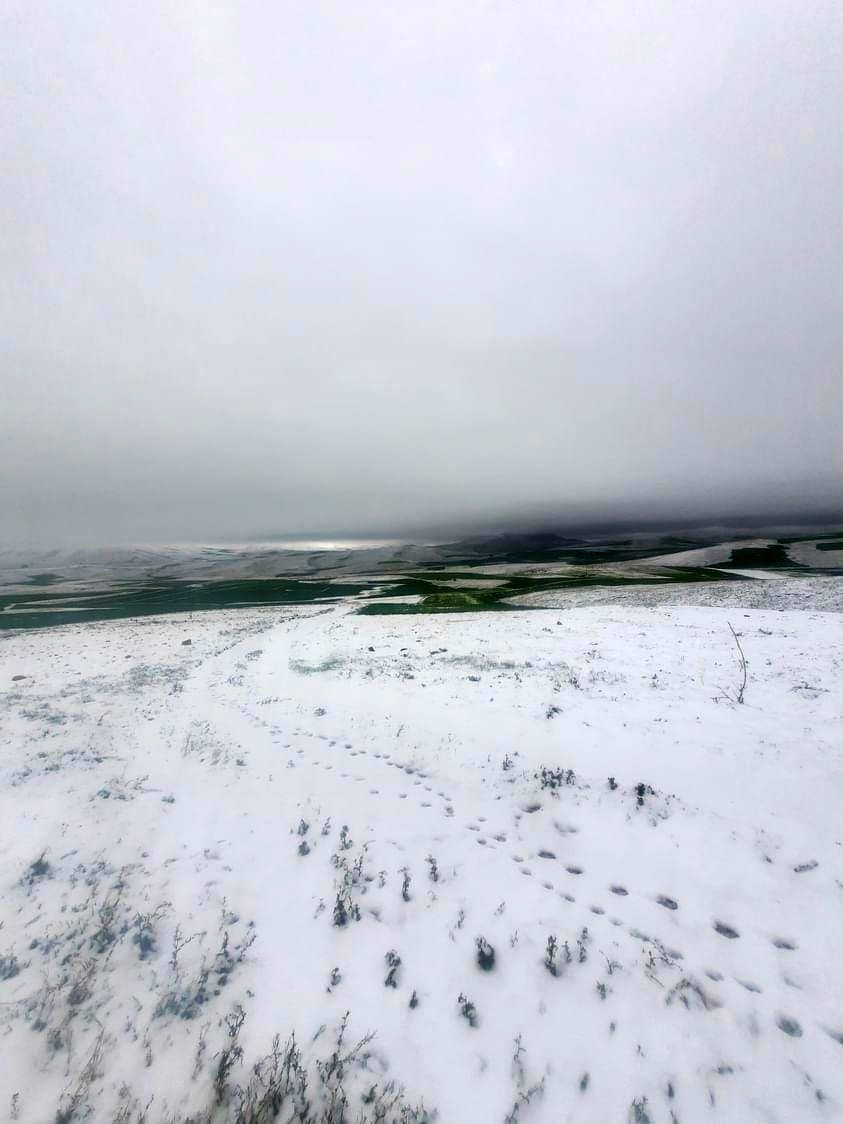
726,930
574,869
789,1025
801,868
668,903
785,944
749,985
621,891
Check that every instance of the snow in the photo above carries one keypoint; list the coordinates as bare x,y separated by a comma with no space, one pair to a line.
712,555
156,792
761,575
808,554
804,592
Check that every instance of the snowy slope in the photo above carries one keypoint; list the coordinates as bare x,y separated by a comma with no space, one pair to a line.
185,824
806,592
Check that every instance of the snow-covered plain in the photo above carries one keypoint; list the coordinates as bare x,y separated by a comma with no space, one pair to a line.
544,856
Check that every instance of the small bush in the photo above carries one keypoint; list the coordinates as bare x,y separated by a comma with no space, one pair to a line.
485,955
553,779
467,1010
641,791
393,962
550,956
10,967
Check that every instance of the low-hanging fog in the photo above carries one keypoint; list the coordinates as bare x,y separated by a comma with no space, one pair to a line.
276,268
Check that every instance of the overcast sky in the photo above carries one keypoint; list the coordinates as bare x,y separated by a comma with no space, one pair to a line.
301,267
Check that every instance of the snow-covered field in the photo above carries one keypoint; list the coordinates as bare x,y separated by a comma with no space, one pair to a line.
766,591
545,858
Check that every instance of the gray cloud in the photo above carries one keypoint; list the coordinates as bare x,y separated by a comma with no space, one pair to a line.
302,267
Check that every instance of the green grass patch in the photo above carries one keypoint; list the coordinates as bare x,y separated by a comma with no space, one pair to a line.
497,599
152,598
772,557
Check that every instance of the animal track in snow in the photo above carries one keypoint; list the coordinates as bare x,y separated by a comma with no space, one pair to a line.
789,1025
726,930
749,985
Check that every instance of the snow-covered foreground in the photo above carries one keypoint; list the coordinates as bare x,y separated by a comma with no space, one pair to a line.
544,857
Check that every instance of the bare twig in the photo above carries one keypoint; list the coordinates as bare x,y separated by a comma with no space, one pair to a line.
743,663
